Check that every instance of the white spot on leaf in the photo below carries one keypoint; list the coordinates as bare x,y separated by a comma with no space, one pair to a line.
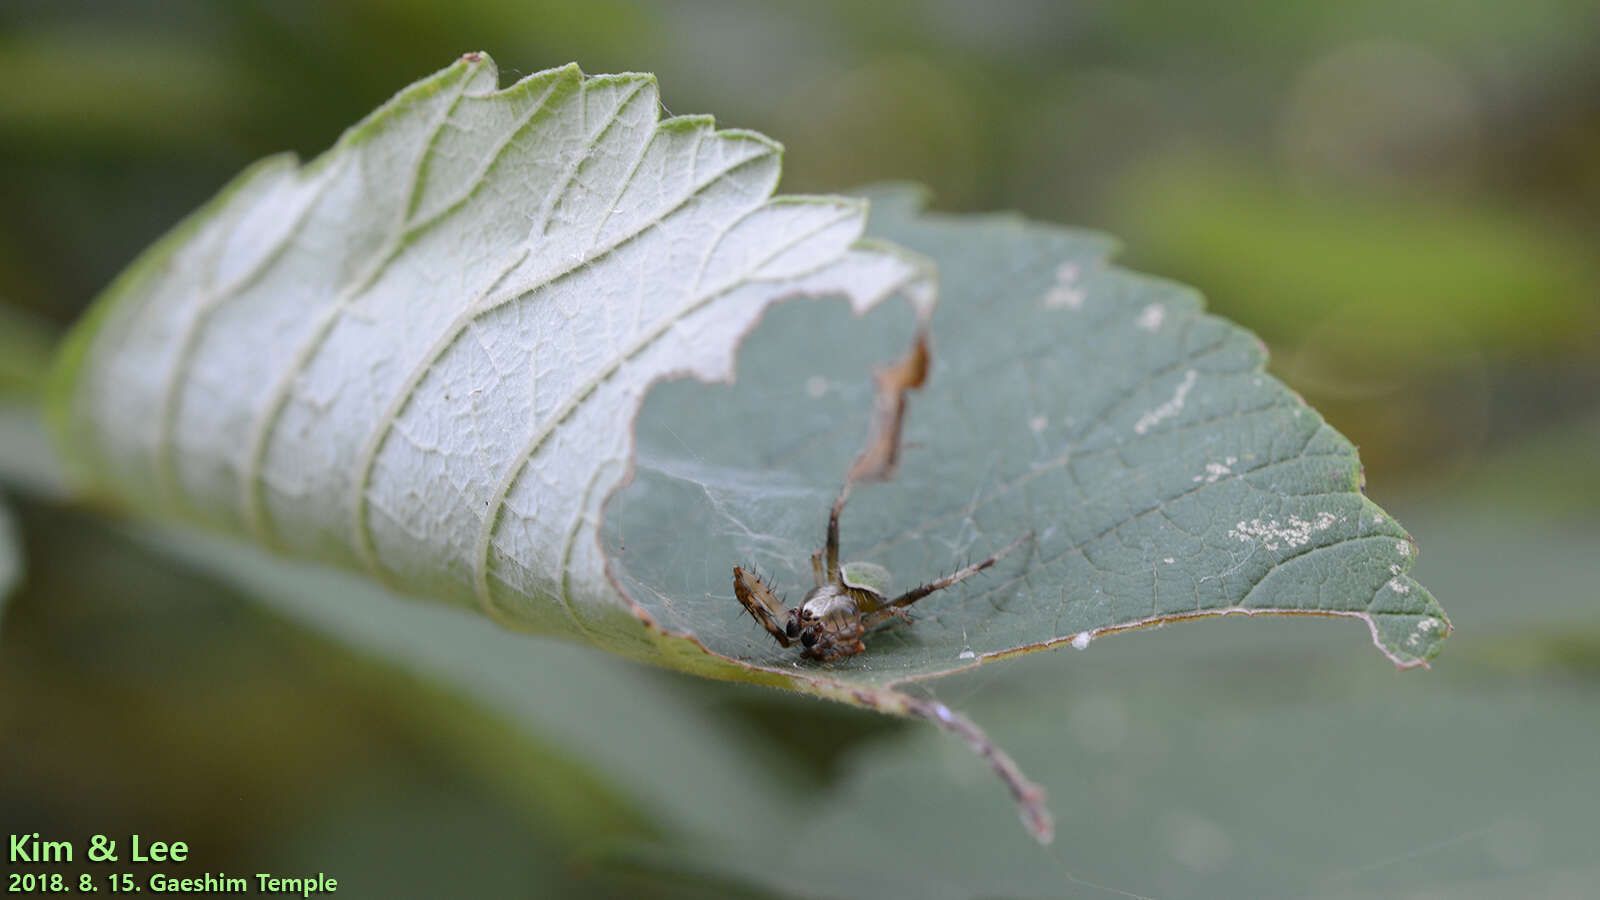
1215,471
1038,423
1291,532
1059,297
1081,640
1170,408
1064,293
1151,317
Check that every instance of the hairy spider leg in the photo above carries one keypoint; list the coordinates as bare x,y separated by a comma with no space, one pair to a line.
896,608
817,576
762,604
832,545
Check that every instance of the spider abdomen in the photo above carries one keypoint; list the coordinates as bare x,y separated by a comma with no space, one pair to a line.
829,621
833,606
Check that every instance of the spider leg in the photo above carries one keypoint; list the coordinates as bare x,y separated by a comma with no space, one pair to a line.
896,606
762,604
817,575
874,619
832,546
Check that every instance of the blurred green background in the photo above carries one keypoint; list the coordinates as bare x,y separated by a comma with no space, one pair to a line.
1401,198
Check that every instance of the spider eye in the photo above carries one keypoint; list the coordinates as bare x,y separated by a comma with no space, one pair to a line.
809,639
793,628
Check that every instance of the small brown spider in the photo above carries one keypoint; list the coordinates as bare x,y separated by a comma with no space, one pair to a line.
846,603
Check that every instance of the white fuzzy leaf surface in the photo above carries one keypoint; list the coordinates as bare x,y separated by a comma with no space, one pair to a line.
420,355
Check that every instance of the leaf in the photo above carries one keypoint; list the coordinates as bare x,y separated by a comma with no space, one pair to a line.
1171,736
419,355
1162,475
1253,758
666,751
1223,779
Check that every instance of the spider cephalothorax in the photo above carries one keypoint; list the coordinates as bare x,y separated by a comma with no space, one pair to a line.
845,603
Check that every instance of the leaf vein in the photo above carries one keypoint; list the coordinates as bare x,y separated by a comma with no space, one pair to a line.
250,480
543,432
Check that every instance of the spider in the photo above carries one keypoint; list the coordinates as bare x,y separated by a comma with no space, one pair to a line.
847,602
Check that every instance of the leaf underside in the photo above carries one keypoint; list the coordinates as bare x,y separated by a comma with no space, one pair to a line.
1161,473
419,355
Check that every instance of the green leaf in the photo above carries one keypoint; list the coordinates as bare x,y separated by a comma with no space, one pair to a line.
1237,778
419,355
668,753
1254,758
1161,474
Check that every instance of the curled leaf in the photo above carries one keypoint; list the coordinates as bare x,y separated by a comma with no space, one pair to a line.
420,354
